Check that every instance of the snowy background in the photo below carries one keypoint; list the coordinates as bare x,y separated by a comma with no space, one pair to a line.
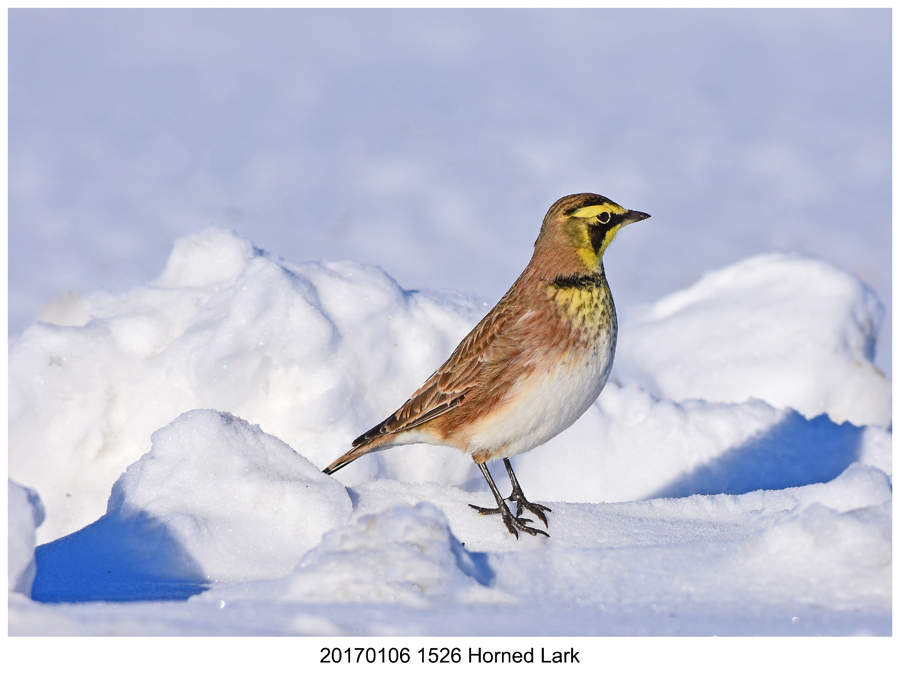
170,412
430,143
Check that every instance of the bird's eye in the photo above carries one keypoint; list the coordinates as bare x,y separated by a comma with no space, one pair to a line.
603,217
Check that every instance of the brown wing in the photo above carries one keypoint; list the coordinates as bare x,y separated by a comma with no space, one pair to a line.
454,381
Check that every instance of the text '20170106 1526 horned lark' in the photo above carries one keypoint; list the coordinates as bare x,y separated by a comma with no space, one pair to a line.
532,366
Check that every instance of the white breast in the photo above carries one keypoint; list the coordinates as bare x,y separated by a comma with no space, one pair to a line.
544,404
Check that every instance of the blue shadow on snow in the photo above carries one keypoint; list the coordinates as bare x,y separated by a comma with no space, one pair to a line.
116,559
796,452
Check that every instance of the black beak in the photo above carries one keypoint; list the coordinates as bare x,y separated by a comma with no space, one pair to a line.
634,216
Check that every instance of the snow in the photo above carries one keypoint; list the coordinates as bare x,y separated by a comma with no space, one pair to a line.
405,554
750,348
428,142
25,513
241,503
188,420
293,347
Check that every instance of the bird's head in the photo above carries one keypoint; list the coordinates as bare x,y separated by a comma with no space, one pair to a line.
585,223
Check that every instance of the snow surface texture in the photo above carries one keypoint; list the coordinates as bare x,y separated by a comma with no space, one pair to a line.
314,353
751,347
263,505
718,511
26,513
398,138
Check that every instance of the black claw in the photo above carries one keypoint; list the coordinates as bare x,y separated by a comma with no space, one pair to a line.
534,508
511,528
517,523
512,523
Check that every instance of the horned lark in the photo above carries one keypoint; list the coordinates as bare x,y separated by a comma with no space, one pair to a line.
532,366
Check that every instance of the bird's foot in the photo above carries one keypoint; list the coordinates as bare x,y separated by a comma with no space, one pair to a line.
518,497
534,508
514,523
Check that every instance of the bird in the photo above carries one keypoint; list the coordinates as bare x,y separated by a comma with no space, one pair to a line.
531,367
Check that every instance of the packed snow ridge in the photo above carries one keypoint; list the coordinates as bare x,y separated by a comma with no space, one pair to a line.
168,442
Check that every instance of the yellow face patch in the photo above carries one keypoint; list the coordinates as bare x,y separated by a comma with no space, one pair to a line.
592,228
595,210
579,233
588,257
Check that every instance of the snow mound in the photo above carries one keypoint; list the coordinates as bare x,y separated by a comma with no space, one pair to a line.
314,353
739,509
819,555
211,258
318,353
215,500
737,559
242,503
25,513
792,331
631,445
405,554
765,561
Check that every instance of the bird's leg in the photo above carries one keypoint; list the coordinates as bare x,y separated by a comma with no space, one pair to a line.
512,523
518,497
